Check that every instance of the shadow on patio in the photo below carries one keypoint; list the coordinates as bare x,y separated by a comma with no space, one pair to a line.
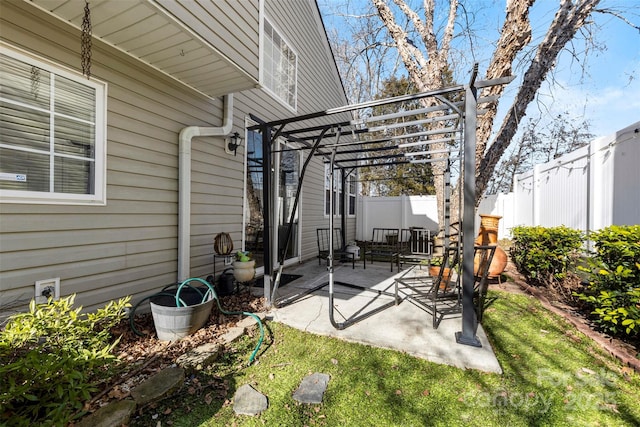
404,327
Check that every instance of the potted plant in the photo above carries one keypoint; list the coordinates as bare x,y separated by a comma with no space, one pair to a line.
244,267
434,269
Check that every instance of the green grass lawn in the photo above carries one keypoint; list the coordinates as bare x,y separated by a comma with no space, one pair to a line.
553,376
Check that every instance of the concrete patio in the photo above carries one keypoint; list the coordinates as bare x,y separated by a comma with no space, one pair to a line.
404,327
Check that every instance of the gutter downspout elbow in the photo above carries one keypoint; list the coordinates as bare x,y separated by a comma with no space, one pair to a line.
184,182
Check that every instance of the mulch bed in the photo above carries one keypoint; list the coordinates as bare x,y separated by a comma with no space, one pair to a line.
143,356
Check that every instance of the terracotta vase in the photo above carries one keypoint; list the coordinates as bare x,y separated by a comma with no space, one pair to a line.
446,275
488,235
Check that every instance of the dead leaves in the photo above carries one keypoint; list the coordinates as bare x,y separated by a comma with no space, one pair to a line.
149,355
119,392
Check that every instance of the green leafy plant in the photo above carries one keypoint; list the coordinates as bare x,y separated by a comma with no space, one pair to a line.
543,255
243,256
614,287
52,358
434,261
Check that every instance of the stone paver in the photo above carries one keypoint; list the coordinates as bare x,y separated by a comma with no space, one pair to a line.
200,357
161,384
232,334
249,401
312,388
114,414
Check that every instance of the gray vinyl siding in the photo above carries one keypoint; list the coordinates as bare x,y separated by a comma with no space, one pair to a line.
129,246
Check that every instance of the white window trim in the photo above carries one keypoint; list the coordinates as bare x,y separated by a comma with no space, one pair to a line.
100,162
336,189
353,177
274,95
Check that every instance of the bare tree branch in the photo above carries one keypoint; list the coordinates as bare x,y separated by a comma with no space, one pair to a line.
430,41
515,35
407,50
448,31
619,16
427,38
568,20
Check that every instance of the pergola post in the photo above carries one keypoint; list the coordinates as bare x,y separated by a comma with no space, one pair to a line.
469,321
267,232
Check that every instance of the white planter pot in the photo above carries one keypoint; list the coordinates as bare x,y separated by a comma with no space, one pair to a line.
244,271
355,250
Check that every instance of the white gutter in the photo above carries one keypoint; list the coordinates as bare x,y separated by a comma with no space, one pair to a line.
184,183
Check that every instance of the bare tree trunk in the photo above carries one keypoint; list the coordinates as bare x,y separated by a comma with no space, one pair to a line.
426,72
569,18
515,35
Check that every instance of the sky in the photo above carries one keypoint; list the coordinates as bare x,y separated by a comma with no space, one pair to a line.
606,93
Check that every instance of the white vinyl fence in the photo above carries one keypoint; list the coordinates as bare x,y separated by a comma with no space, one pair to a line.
588,189
395,212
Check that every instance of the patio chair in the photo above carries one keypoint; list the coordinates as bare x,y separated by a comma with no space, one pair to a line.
339,251
414,247
482,256
436,288
382,246
440,293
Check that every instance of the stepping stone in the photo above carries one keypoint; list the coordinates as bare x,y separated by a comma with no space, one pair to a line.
161,385
200,357
249,401
312,388
114,414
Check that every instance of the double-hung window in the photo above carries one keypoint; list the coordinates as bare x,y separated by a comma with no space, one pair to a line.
279,66
52,133
335,193
338,202
352,185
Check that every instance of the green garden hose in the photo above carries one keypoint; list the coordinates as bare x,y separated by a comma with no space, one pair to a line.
205,297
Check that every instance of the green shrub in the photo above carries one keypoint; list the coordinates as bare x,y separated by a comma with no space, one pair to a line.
51,359
614,287
544,255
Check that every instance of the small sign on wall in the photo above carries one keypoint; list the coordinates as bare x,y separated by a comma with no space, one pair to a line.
17,177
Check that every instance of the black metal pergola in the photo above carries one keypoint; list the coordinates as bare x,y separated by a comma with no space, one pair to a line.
349,138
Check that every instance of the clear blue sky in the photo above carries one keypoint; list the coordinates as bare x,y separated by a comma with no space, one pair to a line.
606,93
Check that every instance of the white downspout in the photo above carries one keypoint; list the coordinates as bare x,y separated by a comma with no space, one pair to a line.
184,183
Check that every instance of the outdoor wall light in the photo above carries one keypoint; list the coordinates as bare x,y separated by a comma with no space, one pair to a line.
232,143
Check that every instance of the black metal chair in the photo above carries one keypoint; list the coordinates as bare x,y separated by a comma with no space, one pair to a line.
414,247
339,252
440,291
436,288
382,246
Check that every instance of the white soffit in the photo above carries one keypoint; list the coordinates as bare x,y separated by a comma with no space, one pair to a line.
143,30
